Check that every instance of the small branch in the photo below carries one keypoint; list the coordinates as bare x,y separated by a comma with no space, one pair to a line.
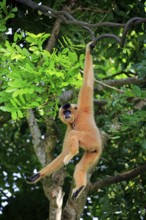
127,73
120,82
91,9
128,26
118,178
91,32
102,24
108,86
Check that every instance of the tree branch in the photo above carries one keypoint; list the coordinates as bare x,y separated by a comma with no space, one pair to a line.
108,86
118,178
120,82
127,73
54,35
69,19
107,36
36,137
129,24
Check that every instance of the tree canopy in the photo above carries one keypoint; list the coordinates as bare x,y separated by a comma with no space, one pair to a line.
42,46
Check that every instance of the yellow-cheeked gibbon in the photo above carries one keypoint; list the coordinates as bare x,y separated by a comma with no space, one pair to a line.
81,131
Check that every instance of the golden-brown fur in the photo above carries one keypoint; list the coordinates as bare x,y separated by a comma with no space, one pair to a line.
81,131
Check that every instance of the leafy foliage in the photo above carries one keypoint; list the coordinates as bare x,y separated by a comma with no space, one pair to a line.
5,14
33,77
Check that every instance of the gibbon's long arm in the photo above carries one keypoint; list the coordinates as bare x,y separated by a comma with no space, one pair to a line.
55,165
81,131
85,99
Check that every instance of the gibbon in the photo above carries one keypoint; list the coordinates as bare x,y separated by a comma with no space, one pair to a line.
81,131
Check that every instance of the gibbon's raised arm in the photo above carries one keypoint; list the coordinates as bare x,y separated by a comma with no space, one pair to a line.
81,132
88,82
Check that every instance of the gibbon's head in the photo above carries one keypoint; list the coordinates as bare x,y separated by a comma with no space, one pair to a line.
68,113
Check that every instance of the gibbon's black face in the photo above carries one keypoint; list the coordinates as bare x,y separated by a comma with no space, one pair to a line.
67,113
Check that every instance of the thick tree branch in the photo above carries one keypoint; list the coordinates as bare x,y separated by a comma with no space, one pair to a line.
36,137
55,31
66,17
54,35
118,178
69,19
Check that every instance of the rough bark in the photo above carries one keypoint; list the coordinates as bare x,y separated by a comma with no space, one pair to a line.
36,137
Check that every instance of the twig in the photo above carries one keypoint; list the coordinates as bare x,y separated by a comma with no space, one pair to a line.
127,73
91,32
121,82
108,86
127,28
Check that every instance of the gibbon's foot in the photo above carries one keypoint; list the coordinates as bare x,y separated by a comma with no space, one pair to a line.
76,192
33,179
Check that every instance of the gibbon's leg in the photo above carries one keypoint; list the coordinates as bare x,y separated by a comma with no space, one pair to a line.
88,160
55,165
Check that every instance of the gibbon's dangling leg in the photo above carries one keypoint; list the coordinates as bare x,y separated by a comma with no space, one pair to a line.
81,131
88,160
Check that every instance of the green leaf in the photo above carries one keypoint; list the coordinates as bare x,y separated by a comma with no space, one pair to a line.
72,56
16,93
3,108
20,114
18,83
22,99
10,89
33,48
2,28
14,115
13,103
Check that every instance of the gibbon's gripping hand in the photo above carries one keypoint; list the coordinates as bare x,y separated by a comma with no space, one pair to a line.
92,45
